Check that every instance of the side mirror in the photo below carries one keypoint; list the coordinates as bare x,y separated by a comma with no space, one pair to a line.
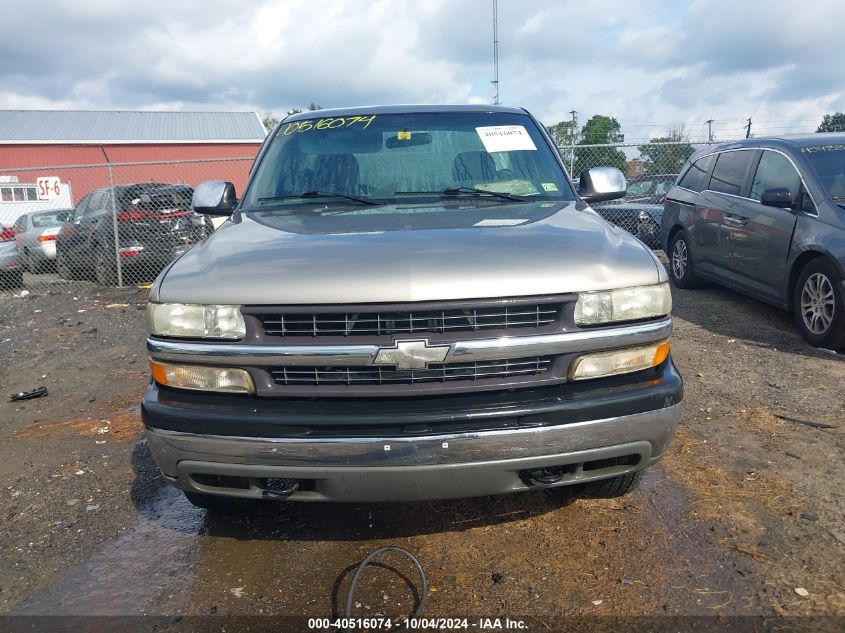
214,197
777,197
601,183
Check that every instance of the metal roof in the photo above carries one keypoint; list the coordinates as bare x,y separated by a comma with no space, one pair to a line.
86,126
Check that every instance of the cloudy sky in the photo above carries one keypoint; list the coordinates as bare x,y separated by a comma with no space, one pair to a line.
651,64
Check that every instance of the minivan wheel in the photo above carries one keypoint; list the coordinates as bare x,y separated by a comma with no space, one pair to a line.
680,262
819,306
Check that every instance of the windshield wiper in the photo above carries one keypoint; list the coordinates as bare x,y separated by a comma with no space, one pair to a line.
322,194
456,191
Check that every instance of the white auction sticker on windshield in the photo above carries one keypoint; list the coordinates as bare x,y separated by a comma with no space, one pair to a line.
505,138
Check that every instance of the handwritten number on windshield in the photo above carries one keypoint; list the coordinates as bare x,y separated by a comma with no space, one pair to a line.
327,124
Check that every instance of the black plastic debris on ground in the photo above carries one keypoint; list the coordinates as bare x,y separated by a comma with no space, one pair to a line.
40,392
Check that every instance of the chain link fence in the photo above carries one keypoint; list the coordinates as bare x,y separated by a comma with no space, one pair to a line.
112,224
650,169
119,224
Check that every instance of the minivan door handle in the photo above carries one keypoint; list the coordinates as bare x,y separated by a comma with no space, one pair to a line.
734,220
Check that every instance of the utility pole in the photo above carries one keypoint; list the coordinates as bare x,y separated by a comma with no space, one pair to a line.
709,123
748,129
495,81
572,142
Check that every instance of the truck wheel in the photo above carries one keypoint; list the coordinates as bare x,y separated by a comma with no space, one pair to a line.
11,280
610,488
28,263
105,268
681,271
64,269
819,305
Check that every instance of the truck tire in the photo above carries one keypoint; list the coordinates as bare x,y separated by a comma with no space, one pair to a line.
610,488
29,263
819,306
681,271
65,270
105,268
11,280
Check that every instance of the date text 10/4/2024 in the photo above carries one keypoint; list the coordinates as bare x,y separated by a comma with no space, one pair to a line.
417,624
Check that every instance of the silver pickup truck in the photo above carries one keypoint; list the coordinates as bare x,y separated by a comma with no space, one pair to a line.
409,303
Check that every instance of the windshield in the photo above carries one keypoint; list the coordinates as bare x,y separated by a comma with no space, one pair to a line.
50,219
398,158
828,161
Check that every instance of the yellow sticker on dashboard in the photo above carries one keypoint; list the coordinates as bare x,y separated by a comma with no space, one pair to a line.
404,136
549,186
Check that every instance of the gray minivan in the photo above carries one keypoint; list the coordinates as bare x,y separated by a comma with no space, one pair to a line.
766,217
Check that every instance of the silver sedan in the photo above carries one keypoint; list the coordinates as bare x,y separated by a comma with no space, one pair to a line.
36,233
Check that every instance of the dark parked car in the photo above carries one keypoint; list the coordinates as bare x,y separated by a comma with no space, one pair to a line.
640,219
154,223
640,211
766,217
649,189
11,262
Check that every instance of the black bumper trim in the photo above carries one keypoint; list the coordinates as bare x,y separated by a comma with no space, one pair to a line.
240,416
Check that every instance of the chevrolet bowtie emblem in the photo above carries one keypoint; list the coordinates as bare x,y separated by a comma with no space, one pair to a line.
411,355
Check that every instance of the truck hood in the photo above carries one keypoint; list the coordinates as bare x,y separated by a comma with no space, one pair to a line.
407,253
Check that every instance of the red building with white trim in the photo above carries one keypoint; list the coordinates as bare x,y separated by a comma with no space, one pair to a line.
81,147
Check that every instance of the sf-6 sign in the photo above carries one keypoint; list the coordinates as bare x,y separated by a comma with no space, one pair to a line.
49,187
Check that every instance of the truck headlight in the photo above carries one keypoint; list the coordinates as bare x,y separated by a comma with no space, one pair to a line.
620,361
195,321
202,378
624,304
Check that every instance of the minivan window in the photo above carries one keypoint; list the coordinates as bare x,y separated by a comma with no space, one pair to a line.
401,157
775,170
696,177
731,171
828,162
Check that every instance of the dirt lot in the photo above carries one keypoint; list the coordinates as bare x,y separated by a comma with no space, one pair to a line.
744,517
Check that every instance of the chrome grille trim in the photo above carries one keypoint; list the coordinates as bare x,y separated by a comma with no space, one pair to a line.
436,372
241,354
409,322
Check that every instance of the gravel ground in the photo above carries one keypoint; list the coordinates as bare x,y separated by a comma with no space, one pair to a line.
744,517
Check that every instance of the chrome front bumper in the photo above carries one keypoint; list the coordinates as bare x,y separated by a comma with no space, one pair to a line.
413,468
581,341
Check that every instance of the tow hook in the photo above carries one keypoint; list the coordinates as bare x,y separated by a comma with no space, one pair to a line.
279,488
546,476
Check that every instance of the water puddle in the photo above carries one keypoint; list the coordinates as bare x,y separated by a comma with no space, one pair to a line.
144,567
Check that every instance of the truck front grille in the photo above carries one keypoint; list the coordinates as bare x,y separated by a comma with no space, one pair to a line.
381,323
435,372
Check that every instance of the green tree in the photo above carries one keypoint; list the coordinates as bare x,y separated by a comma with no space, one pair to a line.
270,121
311,108
604,131
564,133
832,123
600,129
666,159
